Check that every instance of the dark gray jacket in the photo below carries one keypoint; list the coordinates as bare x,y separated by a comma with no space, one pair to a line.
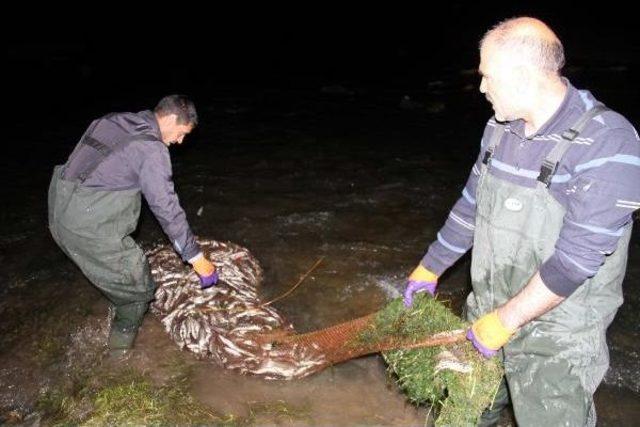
139,160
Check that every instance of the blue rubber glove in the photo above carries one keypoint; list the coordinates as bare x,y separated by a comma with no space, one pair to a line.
205,270
208,281
486,352
488,334
420,280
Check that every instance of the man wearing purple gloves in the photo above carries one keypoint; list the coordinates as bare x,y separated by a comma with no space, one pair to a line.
94,205
548,211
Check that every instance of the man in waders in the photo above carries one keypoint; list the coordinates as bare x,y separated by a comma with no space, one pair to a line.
548,210
94,204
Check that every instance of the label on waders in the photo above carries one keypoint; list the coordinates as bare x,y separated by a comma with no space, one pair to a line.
512,204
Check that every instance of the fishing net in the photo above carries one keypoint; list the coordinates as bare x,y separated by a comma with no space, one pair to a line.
424,346
348,340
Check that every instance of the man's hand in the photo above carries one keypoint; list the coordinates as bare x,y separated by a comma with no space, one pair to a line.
488,334
493,330
206,270
419,281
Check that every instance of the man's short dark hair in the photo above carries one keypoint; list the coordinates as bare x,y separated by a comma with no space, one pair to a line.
179,105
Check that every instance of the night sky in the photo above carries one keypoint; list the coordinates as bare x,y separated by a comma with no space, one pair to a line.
66,66
90,61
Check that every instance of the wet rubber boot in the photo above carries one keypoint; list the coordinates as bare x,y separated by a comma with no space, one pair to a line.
121,341
125,325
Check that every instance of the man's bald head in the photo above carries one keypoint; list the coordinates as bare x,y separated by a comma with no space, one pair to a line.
528,39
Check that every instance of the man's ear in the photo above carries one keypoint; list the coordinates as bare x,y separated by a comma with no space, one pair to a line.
169,119
172,119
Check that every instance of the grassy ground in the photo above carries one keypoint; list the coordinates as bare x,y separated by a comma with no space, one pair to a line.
111,395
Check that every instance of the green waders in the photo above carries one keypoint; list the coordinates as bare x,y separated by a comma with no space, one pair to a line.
92,227
554,364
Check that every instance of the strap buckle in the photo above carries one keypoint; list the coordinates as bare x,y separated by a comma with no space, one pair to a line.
570,134
486,160
546,172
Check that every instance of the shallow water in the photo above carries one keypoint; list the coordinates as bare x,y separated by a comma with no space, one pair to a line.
293,177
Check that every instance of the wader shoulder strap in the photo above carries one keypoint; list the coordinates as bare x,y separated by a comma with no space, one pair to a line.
105,151
101,148
550,163
496,137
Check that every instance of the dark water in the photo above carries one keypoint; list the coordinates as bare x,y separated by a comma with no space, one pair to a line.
354,176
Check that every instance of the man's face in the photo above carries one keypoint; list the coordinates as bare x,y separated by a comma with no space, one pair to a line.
172,132
502,83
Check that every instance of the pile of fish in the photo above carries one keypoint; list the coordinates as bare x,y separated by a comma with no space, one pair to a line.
225,323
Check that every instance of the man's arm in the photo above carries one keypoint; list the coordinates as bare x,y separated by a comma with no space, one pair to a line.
455,238
493,330
157,187
605,190
534,300
601,197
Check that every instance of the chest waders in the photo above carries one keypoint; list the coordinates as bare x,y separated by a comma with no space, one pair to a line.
92,227
554,364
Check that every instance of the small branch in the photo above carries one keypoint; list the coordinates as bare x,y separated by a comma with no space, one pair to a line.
304,276
442,338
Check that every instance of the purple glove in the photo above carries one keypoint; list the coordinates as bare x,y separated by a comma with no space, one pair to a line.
486,352
208,281
414,286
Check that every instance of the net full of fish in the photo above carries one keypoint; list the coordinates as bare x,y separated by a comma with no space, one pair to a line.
222,323
229,325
